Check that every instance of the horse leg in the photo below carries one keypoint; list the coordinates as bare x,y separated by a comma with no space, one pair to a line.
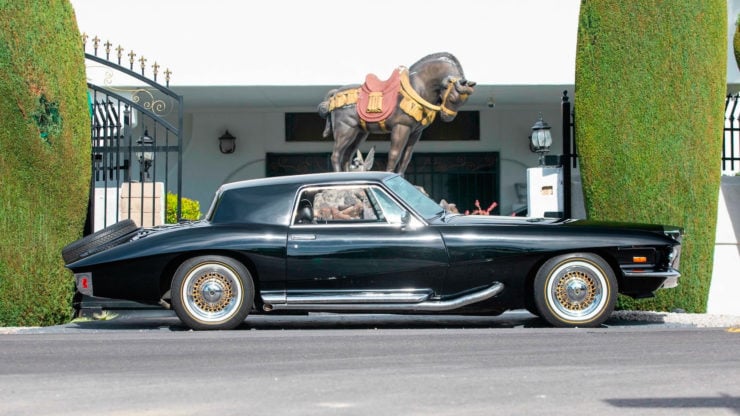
399,137
408,151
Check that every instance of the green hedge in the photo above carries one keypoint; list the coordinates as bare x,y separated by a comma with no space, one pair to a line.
44,158
736,41
649,103
190,209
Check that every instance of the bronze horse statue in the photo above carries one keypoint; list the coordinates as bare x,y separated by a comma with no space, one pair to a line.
404,105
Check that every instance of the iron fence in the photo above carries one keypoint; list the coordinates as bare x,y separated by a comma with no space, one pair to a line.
731,135
136,137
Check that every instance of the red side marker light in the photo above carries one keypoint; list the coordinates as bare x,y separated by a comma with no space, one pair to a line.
85,283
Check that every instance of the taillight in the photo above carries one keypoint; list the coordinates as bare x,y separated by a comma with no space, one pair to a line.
84,283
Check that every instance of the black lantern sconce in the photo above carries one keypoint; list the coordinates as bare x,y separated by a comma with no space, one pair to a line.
227,143
145,153
540,140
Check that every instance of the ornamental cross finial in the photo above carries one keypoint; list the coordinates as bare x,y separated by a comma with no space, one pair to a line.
167,74
119,53
107,49
96,42
155,67
142,60
131,56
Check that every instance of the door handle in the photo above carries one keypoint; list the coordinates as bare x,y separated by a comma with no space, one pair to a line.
302,237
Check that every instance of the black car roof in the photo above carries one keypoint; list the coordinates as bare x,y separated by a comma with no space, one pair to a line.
310,178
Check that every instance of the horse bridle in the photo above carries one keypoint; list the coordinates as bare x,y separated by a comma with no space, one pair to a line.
450,85
408,91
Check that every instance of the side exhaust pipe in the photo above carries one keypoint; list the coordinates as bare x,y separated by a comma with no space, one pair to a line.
426,306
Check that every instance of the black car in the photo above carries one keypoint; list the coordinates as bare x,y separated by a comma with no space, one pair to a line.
370,242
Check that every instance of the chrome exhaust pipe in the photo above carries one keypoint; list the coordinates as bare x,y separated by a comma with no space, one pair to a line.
426,306
438,306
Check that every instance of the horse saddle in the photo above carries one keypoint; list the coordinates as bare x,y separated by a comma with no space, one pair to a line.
378,99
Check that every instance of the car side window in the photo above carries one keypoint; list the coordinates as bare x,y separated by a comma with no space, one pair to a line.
336,205
389,208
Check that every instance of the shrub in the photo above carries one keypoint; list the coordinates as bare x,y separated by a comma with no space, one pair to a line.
44,158
649,104
190,209
736,42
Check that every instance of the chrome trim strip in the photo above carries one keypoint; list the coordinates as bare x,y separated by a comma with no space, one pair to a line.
427,306
302,237
346,223
407,296
273,298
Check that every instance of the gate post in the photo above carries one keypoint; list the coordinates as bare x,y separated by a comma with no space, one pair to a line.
567,155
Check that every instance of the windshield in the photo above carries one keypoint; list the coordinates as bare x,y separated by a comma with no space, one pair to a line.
421,203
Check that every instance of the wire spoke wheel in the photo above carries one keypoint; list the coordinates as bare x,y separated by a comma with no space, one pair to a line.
212,292
575,290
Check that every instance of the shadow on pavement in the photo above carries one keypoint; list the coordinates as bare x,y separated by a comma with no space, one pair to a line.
166,320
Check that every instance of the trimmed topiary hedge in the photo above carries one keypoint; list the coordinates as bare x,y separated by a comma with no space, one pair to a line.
44,158
736,41
649,103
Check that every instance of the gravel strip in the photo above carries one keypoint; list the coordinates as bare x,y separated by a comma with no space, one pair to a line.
701,320
698,320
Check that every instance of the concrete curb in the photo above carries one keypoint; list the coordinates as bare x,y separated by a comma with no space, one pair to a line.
158,319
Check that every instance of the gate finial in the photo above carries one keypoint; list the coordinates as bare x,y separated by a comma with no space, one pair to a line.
143,64
119,52
155,67
131,56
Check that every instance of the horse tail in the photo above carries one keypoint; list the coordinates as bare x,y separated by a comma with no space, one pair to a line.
327,127
324,110
324,106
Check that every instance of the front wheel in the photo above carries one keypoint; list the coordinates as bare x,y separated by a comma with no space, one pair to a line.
575,290
212,292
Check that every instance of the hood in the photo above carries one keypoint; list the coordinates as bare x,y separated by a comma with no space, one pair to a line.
456,219
654,228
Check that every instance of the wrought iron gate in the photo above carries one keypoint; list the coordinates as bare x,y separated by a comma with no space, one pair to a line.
136,140
731,136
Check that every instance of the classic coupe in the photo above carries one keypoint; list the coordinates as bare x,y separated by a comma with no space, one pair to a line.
370,242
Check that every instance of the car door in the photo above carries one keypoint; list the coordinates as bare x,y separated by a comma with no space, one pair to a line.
353,244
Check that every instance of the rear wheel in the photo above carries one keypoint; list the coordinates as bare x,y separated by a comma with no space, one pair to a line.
212,292
575,290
